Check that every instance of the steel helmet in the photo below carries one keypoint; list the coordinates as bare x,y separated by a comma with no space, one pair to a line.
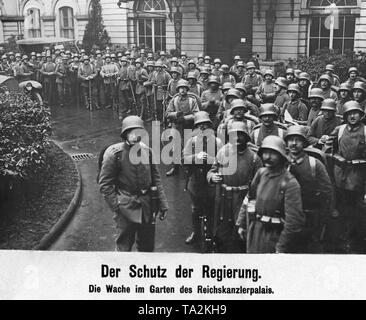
241,86
273,143
98,52
38,55
113,55
127,53
238,126
217,60
290,71
82,50
329,67
304,76
182,83
268,72
162,53
350,106
316,93
107,55
124,58
159,64
191,75
18,55
207,58
267,109
225,68
11,53
150,64
344,87
33,54
213,79
205,71
25,57
64,57
174,59
142,51
191,62
4,56
183,54
234,93
238,103
150,55
201,55
325,77
85,58
294,87
282,82
201,117
131,122
138,60
352,69
237,58
251,65
297,73
227,86
329,104
360,86
175,69
297,131
241,64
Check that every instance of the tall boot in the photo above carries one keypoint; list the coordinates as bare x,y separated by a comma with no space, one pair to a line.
195,236
173,171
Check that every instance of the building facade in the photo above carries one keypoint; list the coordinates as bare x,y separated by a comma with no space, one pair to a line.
221,28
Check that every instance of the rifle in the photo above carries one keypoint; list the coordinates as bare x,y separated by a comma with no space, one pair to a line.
164,109
155,111
134,103
90,96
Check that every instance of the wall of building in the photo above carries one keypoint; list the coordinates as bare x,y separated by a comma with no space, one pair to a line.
286,40
360,33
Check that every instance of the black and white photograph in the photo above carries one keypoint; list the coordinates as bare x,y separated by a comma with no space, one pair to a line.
222,134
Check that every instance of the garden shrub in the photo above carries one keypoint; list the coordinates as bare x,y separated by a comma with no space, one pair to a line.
315,64
25,128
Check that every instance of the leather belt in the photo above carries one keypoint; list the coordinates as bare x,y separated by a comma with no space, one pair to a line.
141,192
271,220
237,188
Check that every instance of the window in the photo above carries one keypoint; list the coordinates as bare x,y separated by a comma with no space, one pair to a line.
150,29
151,5
32,23
66,22
336,31
338,3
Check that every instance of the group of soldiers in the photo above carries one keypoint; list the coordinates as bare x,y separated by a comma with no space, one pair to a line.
299,148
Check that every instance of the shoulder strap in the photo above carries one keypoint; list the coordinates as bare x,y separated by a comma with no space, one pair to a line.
256,135
341,131
280,133
312,162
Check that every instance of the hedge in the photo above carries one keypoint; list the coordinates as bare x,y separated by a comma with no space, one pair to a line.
25,128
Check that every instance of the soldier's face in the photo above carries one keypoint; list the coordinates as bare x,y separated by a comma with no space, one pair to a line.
134,136
329,73
183,91
315,102
251,71
268,78
207,61
324,84
214,85
174,75
204,126
303,83
293,95
290,76
191,81
200,60
328,114
238,113
271,159
343,94
183,58
353,75
358,95
217,65
353,117
295,144
174,63
108,60
267,119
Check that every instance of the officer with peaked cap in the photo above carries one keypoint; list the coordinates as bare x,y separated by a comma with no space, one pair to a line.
132,188
277,223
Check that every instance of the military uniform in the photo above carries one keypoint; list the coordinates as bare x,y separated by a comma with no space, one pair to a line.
99,81
277,195
160,80
252,82
109,74
74,82
211,102
123,90
230,195
62,83
141,76
261,131
88,85
126,188
48,72
297,109
321,127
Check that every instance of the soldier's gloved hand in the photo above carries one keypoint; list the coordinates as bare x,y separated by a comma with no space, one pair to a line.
162,214
241,233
